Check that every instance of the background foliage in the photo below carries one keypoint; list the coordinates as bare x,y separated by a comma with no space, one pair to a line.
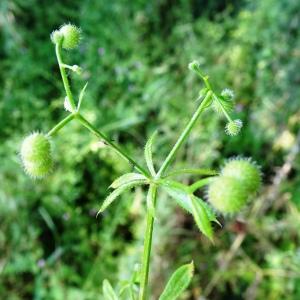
135,56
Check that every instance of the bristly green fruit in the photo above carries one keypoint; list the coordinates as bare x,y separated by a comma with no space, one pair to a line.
233,128
245,171
71,36
228,94
36,155
227,194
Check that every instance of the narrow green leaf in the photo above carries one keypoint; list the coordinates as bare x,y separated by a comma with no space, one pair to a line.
210,213
151,199
201,217
148,153
81,95
127,178
108,291
116,193
180,197
179,192
178,282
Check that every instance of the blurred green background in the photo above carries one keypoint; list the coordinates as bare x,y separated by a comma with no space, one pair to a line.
135,56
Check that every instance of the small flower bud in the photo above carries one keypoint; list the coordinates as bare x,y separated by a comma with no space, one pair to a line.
194,66
67,105
36,155
227,194
71,36
244,170
228,94
77,69
56,36
234,127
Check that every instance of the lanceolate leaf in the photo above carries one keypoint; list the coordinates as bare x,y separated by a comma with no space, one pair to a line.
151,199
201,217
108,291
178,282
127,178
178,192
116,193
81,95
148,153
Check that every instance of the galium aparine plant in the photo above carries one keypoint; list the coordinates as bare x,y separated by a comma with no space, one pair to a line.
228,190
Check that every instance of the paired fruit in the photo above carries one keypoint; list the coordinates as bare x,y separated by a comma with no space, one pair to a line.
69,34
238,181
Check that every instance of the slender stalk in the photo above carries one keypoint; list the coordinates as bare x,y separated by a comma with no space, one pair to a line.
150,219
184,135
64,75
101,135
198,184
61,124
147,252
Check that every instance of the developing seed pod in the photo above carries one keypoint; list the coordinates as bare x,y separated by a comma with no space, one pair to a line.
71,36
234,127
227,194
244,170
228,94
221,104
36,155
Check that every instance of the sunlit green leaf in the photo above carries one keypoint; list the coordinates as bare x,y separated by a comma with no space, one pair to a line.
201,217
127,178
81,95
116,193
148,153
108,291
178,282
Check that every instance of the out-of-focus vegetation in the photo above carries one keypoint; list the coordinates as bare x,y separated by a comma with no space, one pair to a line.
135,56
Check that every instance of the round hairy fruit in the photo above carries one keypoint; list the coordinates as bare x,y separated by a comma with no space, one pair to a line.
245,171
233,127
71,36
36,155
227,195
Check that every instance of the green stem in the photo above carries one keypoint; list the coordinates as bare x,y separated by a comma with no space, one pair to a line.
147,252
64,75
200,183
101,135
150,219
184,135
61,124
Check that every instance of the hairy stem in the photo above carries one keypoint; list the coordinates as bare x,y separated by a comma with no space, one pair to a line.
64,75
61,124
150,219
184,135
101,135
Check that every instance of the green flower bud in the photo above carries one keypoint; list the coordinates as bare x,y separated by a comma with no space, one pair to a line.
36,155
245,171
56,36
71,36
227,194
194,66
234,127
